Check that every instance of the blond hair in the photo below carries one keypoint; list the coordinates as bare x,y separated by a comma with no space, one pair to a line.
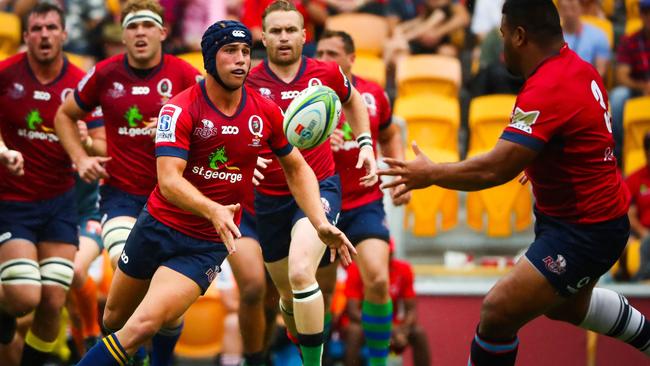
135,5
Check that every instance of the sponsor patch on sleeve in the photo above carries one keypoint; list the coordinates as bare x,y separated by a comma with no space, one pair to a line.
166,130
523,120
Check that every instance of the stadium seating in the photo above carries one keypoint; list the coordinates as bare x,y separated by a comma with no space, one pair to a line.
368,31
632,26
632,9
10,35
432,120
432,209
81,61
603,24
488,116
634,160
496,207
370,68
636,122
203,330
193,58
428,74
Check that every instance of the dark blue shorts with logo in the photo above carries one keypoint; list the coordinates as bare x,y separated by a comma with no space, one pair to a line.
114,202
248,225
276,216
365,222
152,244
572,256
52,220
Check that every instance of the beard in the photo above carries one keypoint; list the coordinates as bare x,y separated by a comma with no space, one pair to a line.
284,60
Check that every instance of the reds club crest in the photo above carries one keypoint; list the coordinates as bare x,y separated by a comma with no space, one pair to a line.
557,266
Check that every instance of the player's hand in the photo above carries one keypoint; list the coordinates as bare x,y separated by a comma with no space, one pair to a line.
91,168
337,140
223,220
337,242
83,131
414,174
151,127
400,200
13,161
398,339
257,173
367,160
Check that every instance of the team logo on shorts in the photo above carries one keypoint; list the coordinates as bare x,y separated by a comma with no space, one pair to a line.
557,266
212,273
4,237
523,120
326,205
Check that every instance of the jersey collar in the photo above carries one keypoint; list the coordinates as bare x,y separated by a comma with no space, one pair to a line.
303,66
242,101
62,73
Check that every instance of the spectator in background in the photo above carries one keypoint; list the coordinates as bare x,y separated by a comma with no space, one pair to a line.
314,13
588,41
493,76
377,7
593,8
639,213
405,330
632,72
486,17
429,31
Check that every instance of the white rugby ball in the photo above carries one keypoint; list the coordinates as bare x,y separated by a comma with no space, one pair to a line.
312,116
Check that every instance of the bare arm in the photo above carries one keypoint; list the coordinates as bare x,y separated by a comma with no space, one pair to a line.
635,223
503,163
623,72
180,192
357,115
390,142
304,188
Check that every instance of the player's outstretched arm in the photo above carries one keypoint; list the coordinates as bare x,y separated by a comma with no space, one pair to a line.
357,114
390,141
304,187
65,126
179,191
503,163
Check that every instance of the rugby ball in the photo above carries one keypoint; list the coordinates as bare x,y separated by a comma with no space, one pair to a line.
312,116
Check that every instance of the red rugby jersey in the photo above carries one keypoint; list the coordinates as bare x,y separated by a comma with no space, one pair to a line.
27,110
221,152
130,103
562,112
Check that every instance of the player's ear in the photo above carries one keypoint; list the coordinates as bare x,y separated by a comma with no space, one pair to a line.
519,37
163,34
304,36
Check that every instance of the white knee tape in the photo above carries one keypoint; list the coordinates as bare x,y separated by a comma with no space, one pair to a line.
114,235
57,271
20,272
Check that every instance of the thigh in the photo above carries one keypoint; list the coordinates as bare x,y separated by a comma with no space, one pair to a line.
372,259
247,264
306,249
125,294
279,272
19,253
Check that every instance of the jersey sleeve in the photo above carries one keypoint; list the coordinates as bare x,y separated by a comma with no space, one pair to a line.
277,140
87,93
533,122
338,82
385,112
354,284
173,132
408,291
95,119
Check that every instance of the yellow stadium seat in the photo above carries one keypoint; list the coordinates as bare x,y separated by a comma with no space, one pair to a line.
432,209
636,122
371,68
10,35
632,26
634,160
603,24
609,7
203,330
368,31
488,116
81,61
193,58
428,74
431,120
632,9
498,205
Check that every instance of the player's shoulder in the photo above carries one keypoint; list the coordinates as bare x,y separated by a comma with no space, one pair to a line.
548,83
366,85
186,98
259,101
108,65
13,61
313,65
73,71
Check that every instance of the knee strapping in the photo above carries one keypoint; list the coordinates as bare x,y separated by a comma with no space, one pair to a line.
114,235
57,271
307,294
20,272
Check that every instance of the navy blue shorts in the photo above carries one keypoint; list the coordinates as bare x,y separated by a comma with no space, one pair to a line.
365,222
276,216
571,256
52,220
152,244
114,202
248,225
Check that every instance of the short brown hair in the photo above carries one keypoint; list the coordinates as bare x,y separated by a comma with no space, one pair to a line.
348,43
135,5
280,5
